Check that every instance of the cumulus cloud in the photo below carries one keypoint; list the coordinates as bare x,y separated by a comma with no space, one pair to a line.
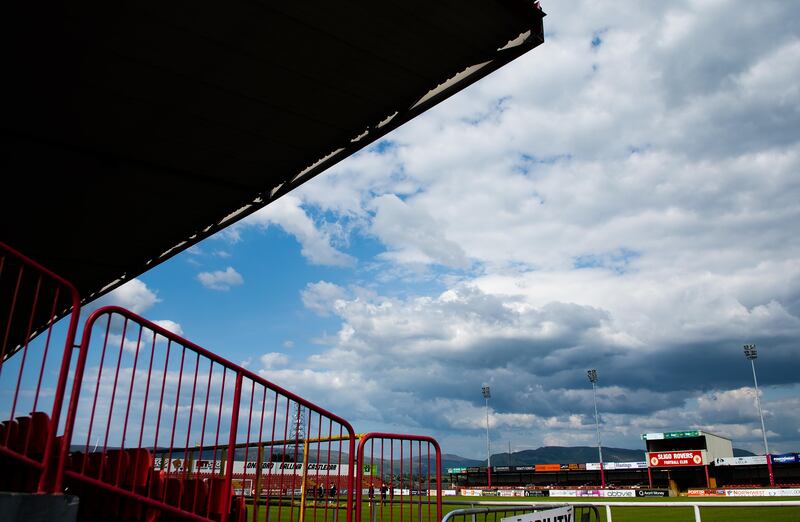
624,197
322,297
316,242
133,295
273,360
221,279
172,326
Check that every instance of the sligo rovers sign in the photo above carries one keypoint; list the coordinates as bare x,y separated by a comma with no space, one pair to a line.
675,458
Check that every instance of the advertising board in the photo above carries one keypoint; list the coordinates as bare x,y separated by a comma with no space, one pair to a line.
548,467
652,493
755,460
776,492
619,493
537,493
676,458
563,492
471,492
681,434
698,492
595,466
629,465
786,458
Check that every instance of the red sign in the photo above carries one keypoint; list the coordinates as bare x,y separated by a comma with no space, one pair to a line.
675,458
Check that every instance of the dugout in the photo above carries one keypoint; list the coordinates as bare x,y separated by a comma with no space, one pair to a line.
680,459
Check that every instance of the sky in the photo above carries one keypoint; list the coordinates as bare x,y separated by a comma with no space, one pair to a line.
625,197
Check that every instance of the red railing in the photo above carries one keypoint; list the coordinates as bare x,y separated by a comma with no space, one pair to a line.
165,425
157,427
35,357
409,478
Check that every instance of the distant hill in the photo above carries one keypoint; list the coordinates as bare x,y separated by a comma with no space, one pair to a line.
566,455
557,455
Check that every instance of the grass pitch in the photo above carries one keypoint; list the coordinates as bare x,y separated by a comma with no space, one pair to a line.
323,512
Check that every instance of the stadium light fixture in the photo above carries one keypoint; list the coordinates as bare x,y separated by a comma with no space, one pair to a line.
751,353
486,395
592,374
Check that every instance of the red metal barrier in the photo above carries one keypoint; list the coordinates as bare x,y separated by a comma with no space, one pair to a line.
394,478
35,357
157,425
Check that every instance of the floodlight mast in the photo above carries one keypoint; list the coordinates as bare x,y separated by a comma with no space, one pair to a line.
592,374
751,353
486,395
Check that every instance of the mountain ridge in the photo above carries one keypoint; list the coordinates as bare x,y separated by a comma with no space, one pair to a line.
556,455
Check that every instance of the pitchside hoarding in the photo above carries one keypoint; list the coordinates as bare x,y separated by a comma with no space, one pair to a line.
249,467
658,459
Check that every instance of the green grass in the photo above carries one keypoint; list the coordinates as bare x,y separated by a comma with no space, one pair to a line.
620,514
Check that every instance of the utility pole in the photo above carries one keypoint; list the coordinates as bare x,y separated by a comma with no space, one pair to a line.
486,395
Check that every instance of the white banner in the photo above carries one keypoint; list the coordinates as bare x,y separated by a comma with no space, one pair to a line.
619,493
562,514
777,492
563,492
630,465
595,466
511,493
741,461
449,493
471,492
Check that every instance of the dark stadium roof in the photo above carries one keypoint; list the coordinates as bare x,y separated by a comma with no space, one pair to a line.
132,130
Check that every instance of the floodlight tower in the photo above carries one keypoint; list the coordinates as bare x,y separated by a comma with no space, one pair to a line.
592,374
751,354
486,395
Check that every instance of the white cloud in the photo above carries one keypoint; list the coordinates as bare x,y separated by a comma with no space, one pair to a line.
322,297
287,213
630,206
172,326
272,360
220,280
133,295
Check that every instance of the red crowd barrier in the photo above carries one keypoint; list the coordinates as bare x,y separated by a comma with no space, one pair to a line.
158,428
163,424
35,360
407,471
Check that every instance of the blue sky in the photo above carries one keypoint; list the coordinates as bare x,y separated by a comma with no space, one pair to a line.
625,197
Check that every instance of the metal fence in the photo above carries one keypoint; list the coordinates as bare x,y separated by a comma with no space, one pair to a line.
580,512
157,427
164,426
695,506
35,360
399,478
